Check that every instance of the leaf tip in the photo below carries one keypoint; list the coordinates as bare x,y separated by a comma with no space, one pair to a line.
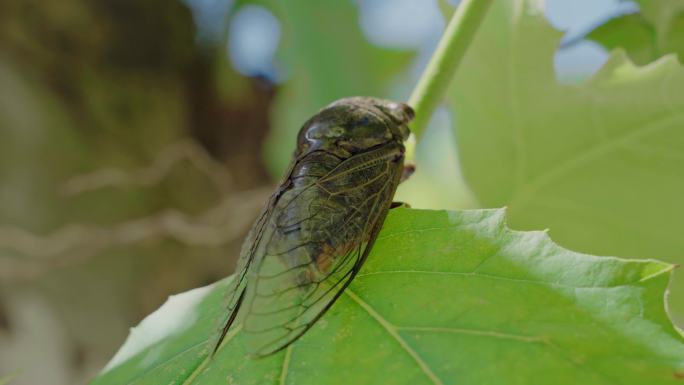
657,268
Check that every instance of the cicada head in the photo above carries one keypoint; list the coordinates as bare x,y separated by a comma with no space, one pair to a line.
353,125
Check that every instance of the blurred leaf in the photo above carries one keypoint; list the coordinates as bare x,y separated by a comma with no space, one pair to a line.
599,163
630,32
32,127
326,57
656,31
6,379
674,40
445,298
661,13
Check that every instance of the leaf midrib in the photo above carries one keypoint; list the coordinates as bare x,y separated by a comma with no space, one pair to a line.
391,330
666,269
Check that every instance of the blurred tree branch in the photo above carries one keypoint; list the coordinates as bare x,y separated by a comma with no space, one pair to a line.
130,160
73,243
155,173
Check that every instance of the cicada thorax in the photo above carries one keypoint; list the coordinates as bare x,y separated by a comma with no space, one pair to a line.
329,212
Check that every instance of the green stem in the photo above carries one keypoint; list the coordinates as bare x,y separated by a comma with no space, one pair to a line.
433,84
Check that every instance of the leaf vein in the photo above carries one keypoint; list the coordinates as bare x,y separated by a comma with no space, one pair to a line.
520,280
392,331
286,365
485,333
564,167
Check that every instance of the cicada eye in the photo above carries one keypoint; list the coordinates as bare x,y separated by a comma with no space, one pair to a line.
401,112
409,113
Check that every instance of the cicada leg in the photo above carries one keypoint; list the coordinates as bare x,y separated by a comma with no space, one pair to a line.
407,171
396,205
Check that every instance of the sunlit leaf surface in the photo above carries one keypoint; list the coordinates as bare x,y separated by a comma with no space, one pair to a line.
600,163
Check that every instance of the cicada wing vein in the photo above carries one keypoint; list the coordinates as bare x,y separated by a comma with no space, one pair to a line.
299,266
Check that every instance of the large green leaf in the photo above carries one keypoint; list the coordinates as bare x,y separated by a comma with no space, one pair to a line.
445,298
601,164
327,58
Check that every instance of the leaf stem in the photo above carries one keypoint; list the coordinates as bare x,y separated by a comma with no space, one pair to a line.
434,81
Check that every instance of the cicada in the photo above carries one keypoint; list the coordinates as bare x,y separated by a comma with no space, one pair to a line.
319,225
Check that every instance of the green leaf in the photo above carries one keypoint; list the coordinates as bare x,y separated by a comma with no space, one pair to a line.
633,33
324,63
445,298
661,14
674,39
646,36
600,164
5,380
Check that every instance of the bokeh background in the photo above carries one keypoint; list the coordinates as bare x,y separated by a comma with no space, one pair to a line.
140,138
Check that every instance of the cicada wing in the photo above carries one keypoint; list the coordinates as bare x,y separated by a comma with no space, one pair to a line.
291,288
236,290
277,318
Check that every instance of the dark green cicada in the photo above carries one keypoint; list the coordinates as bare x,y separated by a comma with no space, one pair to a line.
320,224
